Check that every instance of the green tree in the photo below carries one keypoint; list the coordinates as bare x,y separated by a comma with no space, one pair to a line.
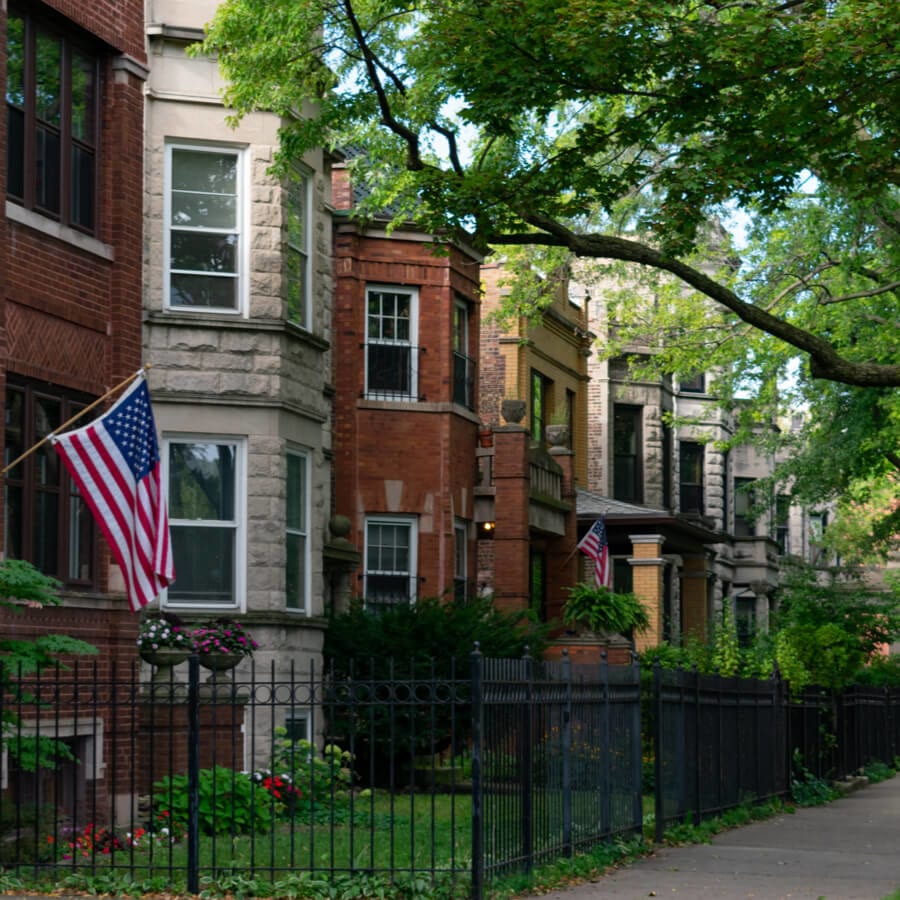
21,582
613,130
624,132
829,624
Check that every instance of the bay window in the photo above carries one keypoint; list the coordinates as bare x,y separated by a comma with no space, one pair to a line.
390,556
205,478
204,245
391,354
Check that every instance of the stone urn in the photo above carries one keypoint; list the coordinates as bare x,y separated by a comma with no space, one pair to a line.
220,665
513,411
164,659
558,435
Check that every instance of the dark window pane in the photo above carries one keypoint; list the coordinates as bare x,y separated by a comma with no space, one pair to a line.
389,368
295,572
204,561
204,291
82,187
296,492
15,61
199,171
14,419
203,252
296,287
47,172
201,482
15,161
45,537
203,210
81,540
48,69
84,89
12,519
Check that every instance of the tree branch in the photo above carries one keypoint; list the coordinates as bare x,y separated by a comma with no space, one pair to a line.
824,360
872,293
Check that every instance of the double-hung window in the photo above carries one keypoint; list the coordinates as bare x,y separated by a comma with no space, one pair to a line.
297,249
627,450
205,478
46,521
297,532
204,244
391,353
463,365
391,555
691,477
744,513
52,110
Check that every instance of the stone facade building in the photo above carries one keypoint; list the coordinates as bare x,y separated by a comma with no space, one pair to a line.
238,328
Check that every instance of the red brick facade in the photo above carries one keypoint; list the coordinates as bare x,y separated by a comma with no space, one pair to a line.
70,302
414,457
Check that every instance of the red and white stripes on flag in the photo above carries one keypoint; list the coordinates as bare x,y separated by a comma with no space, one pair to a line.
595,546
115,463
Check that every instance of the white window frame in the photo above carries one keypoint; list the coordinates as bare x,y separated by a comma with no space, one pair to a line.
412,573
412,342
238,523
300,179
304,532
241,229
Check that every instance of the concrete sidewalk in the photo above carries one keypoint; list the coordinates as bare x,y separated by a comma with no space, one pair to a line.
847,850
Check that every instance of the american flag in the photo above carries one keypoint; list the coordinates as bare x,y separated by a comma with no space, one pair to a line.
115,463
595,546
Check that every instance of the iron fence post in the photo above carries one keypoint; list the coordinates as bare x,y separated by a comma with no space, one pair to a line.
477,781
605,749
526,773
567,756
658,805
193,748
637,795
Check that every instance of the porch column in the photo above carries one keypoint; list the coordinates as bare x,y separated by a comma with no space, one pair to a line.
694,613
562,562
512,540
647,580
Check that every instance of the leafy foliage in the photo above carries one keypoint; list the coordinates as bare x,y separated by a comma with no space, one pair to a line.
432,639
614,131
601,609
428,634
230,803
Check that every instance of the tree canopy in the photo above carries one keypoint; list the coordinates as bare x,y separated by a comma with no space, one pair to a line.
627,132
613,129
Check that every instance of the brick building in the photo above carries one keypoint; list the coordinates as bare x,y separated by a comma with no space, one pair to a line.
70,300
406,325
527,493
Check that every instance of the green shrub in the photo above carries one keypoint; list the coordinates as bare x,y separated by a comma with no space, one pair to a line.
882,671
229,803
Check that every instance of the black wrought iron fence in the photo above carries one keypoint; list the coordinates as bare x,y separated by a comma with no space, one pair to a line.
453,776
456,774
561,759
718,743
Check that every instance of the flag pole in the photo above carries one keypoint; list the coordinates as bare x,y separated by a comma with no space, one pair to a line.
75,418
